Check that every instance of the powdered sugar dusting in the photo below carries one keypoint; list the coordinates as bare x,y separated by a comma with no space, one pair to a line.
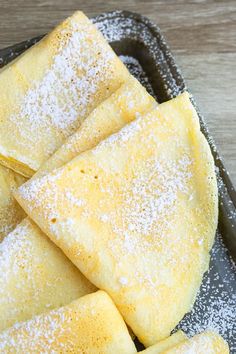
42,101
35,185
75,57
59,102
35,276
76,202
9,247
142,212
150,200
18,264
43,332
123,280
123,136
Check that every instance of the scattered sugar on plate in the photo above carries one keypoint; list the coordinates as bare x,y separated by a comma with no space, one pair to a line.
136,69
215,307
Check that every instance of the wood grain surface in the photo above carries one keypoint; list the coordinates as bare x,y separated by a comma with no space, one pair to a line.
201,34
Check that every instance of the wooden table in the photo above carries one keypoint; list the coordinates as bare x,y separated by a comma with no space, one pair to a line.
201,34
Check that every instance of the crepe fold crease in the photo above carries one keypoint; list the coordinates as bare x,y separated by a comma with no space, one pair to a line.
10,211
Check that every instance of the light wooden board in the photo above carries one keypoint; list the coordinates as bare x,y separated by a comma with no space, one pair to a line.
201,34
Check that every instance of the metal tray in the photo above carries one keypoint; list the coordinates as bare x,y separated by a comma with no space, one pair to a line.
143,49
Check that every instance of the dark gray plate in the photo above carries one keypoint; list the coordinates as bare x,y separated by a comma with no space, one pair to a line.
143,49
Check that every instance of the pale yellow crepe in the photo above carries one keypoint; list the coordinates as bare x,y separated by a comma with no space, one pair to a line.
90,325
124,105
47,92
137,215
205,343
167,343
10,211
35,276
130,101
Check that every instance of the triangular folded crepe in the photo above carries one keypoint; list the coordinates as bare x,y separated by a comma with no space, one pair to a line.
205,343
130,101
10,211
137,215
48,91
35,276
91,325
124,105
167,343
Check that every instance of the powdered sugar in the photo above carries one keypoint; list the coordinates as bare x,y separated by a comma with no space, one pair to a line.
123,281
142,212
124,134
16,242
46,328
87,325
35,185
76,202
81,75
137,71
42,102
215,307
150,200
35,276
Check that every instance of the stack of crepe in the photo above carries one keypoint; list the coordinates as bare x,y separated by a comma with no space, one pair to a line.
122,197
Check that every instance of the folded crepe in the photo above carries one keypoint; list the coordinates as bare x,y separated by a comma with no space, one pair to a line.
10,211
91,324
129,102
35,276
205,343
137,215
122,106
169,342
48,91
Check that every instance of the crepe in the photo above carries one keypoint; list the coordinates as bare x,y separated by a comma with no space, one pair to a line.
130,101
91,324
10,211
122,106
137,215
205,343
48,91
35,276
167,343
